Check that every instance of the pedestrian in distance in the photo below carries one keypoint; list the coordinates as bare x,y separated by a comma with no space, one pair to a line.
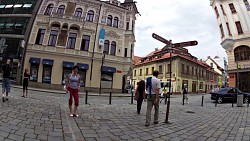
26,77
140,94
72,86
185,93
153,86
6,80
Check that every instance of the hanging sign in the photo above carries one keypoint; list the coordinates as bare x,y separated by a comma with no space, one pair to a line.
101,37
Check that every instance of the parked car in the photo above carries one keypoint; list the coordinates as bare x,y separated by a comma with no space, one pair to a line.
229,93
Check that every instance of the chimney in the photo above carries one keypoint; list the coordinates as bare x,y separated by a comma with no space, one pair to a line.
208,57
156,49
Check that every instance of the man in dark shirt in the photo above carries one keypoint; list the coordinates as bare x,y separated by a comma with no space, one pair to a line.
6,80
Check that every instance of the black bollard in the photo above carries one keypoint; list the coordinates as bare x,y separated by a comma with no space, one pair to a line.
132,97
216,101
86,98
248,101
232,101
110,96
202,100
183,100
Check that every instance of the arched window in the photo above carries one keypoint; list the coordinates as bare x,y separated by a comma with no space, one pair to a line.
78,12
106,47
109,20
242,53
113,48
90,16
61,9
116,20
49,9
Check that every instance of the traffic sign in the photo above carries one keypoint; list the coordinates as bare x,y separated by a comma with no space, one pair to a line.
157,37
184,44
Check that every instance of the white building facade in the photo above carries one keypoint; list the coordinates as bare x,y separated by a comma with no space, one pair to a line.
233,18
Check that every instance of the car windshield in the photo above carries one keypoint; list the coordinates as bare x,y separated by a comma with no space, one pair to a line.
224,90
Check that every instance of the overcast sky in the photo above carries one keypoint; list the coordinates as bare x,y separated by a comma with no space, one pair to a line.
179,20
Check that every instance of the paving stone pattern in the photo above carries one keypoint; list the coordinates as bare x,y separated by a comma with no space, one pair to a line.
45,116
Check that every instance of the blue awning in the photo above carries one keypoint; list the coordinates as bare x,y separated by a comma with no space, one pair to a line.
48,62
68,64
83,66
108,69
34,60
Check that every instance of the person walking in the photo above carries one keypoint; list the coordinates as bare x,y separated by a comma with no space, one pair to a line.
185,92
6,80
72,86
140,93
25,82
153,86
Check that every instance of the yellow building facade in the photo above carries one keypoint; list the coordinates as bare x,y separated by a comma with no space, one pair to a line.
98,36
186,69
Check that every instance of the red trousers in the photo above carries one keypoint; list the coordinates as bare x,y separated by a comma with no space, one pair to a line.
73,93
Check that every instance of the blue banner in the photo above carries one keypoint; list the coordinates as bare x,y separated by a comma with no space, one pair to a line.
102,36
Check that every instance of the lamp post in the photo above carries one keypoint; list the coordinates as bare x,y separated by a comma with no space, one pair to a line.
103,58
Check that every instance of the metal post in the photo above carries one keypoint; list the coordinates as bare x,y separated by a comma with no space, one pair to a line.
100,89
132,95
110,96
202,99
232,100
216,102
86,98
170,80
248,101
183,99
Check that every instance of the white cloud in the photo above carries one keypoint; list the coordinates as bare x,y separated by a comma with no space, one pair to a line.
179,20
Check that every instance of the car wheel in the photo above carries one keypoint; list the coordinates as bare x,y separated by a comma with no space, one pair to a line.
220,100
246,100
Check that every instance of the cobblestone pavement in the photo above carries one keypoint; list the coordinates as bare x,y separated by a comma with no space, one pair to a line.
45,116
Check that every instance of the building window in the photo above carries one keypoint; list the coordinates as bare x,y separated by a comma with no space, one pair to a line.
146,71
202,73
196,72
192,70
182,68
34,72
47,70
90,16
211,65
221,30
40,36
106,47
53,38
61,9
228,28
242,53
85,43
134,72
49,9
127,26
238,26
126,52
168,68
216,11
247,5
153,69
140,72
72,40
187,69
232,8
116,20
221,6
109,20
160,69
113,48
78,12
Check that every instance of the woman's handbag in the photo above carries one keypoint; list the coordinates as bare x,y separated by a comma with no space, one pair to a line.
136,97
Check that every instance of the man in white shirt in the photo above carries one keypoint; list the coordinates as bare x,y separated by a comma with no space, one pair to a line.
153,88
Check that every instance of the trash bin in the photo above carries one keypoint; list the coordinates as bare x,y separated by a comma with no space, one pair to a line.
240,100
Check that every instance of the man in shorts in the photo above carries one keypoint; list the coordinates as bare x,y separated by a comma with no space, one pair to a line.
6,80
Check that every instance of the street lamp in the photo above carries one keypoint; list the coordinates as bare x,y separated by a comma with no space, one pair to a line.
103,58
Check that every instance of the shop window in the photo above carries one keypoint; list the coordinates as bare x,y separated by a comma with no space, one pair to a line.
90,16
116,20
106,80
85,43
109,20
34,72
47,70
49,9
66,72
40,36
82,74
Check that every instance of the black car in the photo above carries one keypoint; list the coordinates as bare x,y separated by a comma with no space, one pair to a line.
229,94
